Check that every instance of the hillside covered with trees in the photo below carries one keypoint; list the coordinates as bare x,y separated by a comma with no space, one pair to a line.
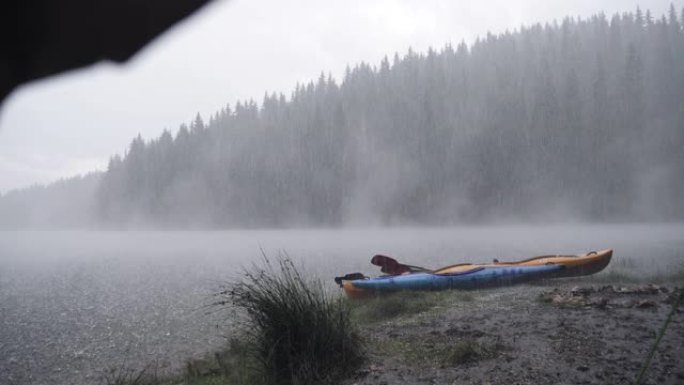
581,119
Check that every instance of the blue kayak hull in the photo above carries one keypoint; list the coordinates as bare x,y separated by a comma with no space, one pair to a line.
476,278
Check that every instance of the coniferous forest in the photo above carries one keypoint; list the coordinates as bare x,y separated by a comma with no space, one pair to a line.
581,119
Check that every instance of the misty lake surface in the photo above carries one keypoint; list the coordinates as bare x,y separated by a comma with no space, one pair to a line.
75,303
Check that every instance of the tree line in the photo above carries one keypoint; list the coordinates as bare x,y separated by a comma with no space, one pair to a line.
581,119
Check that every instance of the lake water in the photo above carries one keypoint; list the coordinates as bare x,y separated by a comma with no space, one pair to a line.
75,303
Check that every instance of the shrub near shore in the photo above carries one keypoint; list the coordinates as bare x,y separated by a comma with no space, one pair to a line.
295,332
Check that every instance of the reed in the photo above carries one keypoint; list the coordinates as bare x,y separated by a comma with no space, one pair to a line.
296,331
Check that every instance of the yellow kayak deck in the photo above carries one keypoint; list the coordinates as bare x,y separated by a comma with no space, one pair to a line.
575,265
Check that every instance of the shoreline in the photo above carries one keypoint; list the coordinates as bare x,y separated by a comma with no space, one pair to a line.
573,332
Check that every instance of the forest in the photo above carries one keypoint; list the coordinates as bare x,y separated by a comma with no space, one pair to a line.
575,120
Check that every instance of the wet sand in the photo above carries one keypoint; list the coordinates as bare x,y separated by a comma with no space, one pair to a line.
558,332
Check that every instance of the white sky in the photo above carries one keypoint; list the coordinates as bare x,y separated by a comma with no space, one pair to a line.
235,50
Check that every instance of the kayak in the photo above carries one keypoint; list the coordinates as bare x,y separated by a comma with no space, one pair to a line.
476,276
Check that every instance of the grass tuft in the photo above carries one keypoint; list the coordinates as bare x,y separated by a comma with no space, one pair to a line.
391,306
295,332
233,365
464,351
437,352
123,375
403,303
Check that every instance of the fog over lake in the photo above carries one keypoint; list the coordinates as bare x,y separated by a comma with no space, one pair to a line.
74,303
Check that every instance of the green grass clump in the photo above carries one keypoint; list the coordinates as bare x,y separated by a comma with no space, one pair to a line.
615,276
392,306
124,375
674,275
434,352
404,303
464,351
295,331
233,365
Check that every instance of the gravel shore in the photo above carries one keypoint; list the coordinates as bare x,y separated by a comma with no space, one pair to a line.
572,333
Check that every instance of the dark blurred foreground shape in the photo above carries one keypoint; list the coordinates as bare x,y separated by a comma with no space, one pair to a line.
45,37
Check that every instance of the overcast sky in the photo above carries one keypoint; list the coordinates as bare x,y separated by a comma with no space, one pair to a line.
236,50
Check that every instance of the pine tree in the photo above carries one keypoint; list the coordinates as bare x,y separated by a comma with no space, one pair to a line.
571,115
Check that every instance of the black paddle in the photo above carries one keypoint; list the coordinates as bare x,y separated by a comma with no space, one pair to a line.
349,277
